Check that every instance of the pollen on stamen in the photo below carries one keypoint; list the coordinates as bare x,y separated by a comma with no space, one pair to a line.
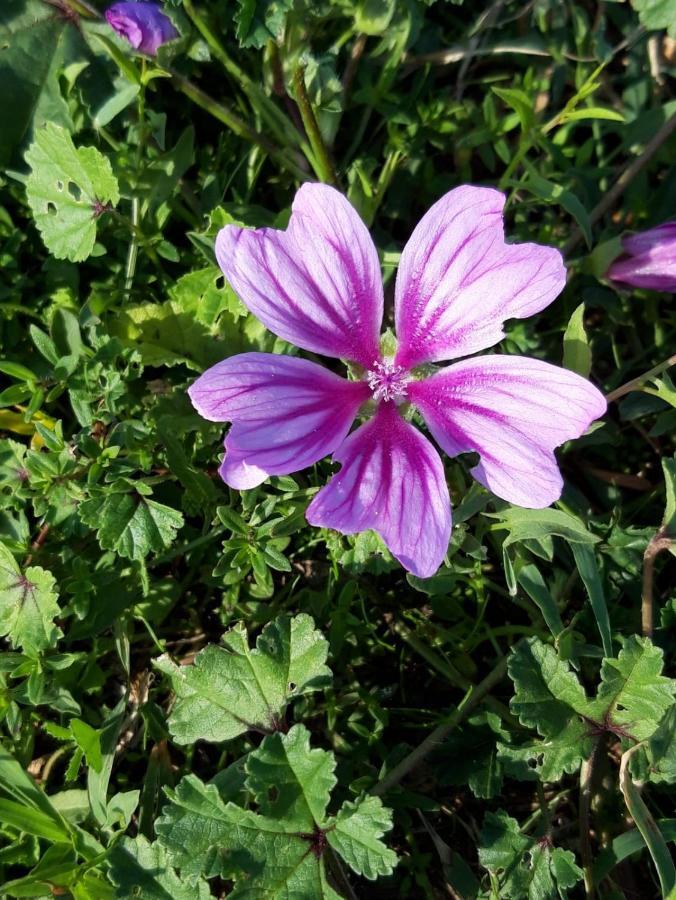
387,381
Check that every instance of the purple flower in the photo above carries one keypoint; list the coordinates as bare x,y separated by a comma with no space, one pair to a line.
318,285
649,259
144,25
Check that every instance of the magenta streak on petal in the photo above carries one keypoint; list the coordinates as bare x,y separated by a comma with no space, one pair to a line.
513,411
318,283
392,481
287,413
458,281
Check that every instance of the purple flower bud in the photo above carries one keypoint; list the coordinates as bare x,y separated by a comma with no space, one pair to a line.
144,25
649,259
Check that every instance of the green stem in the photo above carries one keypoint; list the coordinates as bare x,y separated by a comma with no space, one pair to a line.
638,382
471,699
274,117
236,125
321,161
586,785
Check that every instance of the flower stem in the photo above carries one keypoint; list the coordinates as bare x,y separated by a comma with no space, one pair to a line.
638,382
659,542
586,779
236,125
321,161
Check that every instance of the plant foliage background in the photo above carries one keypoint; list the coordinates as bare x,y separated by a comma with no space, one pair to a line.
199,694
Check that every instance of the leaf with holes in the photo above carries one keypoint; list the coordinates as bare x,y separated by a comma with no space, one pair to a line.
141,869
68,189
280,849
233,689
28,605
131,523
633,695
631,699
524,866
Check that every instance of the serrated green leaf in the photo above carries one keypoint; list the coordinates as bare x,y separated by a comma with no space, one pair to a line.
28,605
290,780
258,21
657,14
549,698
278,851
141,869
356,836
634,695
131,524
631,700
231,689
67,190
527,869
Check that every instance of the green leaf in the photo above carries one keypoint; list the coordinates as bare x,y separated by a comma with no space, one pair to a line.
548,697
576,349
593,112
634,695
657,14
131,524
529,524
25,807
646,824
587,566
67,190
28,605
520,102
31,37
669,520
525,867
232,689
141,869
356,836
661,750
632,698
280,850
289,780
89,741
258,21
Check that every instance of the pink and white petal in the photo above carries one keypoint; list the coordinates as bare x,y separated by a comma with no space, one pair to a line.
317,284
513,412
287,413
391,481
458,281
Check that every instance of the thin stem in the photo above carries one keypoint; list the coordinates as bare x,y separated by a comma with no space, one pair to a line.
235,124
639,381
356,54
586,779
471,699
257,97
321,161
659,542
623,181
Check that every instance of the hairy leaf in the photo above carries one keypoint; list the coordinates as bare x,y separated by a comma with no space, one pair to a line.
525,867
67,190
232,689
141,869
131,524
28,605
280,850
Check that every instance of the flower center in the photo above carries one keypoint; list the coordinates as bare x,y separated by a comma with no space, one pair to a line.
387,381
